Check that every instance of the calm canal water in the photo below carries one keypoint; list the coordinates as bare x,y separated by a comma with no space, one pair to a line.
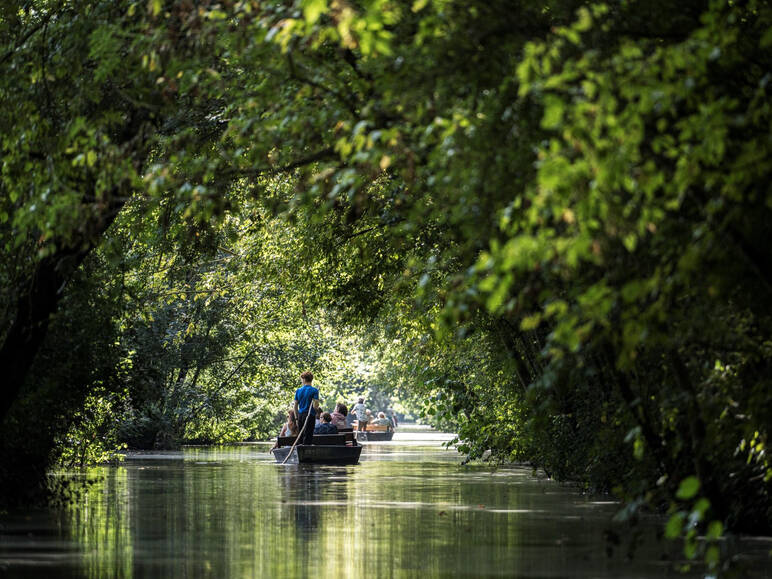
407,510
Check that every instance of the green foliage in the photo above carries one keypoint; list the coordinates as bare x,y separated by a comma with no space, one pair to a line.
549,222
92,436
690,520
214,340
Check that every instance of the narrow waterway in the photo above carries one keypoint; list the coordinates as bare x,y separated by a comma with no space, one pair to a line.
408,509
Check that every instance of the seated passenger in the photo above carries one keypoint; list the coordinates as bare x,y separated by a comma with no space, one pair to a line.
382,420
290,428
326,426
339,415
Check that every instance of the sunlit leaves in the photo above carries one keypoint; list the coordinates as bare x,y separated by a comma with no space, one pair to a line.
313,9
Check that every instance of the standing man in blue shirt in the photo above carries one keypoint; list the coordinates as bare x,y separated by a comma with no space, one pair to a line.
306,402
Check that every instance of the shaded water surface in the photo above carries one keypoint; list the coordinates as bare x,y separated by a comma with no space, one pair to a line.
408,508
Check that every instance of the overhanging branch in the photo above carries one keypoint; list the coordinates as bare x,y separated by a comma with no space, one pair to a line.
324,154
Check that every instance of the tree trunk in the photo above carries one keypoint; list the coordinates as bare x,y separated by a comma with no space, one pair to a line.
33,311
39,300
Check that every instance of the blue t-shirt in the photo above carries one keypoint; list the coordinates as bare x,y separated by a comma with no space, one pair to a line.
304,395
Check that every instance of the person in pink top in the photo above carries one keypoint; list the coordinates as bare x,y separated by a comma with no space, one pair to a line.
339,415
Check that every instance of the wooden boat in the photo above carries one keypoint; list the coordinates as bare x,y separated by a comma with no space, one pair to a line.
374,433
339,448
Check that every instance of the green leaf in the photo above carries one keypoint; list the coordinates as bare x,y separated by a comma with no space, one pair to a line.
530,322
583,19
715,530
553,112
638,448
712,556
688,488
690,549
700,508
674,525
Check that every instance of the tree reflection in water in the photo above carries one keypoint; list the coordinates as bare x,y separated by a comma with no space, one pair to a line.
309,490
403,511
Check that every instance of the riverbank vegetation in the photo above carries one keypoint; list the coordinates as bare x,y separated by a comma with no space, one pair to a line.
544,224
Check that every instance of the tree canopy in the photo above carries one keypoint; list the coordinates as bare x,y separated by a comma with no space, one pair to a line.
545,223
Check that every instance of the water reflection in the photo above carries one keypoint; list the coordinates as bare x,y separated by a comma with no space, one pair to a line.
404,510
308,491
